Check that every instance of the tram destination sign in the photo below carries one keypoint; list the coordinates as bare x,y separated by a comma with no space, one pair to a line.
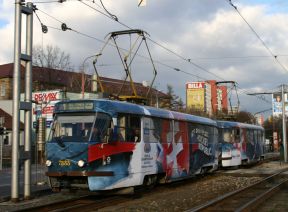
74,106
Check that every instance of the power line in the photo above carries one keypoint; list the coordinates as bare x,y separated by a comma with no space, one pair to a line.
157,43
46,2
185,59
162,46
101,41
258,36
108,16
172,52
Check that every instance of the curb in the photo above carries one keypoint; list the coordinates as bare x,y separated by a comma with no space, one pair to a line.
34,195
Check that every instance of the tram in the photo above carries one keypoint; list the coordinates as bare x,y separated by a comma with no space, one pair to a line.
107,145
240,143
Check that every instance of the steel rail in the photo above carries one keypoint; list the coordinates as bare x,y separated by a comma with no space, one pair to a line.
227,197
254,203
83,203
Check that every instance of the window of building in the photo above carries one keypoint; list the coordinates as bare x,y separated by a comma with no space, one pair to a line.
3,90
6,140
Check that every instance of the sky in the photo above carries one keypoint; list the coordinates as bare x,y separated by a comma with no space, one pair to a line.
208,33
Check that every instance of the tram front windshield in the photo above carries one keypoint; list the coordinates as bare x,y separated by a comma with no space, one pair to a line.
80,127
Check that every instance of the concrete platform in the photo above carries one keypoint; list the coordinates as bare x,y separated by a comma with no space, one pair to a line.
263,169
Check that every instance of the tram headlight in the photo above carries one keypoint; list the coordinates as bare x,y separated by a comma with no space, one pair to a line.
81,163
48,163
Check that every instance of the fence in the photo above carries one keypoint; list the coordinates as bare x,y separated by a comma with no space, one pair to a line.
38,168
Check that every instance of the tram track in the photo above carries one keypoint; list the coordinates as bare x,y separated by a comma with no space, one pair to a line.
94,202
248,198
84,203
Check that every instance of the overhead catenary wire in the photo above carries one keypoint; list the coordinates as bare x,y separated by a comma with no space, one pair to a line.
157,43
258,36
112,15
108,16
162,46
46,2
174,53
111,44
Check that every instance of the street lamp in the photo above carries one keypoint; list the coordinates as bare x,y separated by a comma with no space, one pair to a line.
83,71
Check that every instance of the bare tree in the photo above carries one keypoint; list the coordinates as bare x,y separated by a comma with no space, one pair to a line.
171,101
51,57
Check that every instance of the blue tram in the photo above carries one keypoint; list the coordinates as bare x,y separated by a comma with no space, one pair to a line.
240,143
104,145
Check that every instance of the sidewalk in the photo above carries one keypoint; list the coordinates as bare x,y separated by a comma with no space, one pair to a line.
38,182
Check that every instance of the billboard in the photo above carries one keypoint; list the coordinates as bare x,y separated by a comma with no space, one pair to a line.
195,95
277,104
45,107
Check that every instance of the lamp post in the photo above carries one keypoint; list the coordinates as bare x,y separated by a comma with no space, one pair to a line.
83,71
284,124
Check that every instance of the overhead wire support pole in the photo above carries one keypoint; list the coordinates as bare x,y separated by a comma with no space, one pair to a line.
28,100
284,142
17,105
16,100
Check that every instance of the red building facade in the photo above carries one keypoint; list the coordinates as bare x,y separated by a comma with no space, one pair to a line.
214,96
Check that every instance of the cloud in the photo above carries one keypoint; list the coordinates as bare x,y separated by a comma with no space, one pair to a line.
210,33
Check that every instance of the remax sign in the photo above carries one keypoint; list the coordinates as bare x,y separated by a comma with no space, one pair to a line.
46,96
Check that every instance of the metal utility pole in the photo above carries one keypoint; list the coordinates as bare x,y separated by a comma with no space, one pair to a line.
16,99
284,142
17,106
28,99
284,137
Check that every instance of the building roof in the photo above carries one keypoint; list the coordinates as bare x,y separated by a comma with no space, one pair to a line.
72,81
6,70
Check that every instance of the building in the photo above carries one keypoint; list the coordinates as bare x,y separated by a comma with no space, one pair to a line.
53,79
6,123
206,96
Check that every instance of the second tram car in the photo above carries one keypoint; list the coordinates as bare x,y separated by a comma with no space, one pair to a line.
240,143
103,145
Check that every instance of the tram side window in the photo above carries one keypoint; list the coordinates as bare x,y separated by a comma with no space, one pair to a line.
179,132
227,135
237,135
202,134
155,130
160,130
167,131
261,136
129,127
255,136
250,136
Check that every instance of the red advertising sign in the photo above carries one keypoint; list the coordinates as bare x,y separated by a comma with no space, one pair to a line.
195,85
46,96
